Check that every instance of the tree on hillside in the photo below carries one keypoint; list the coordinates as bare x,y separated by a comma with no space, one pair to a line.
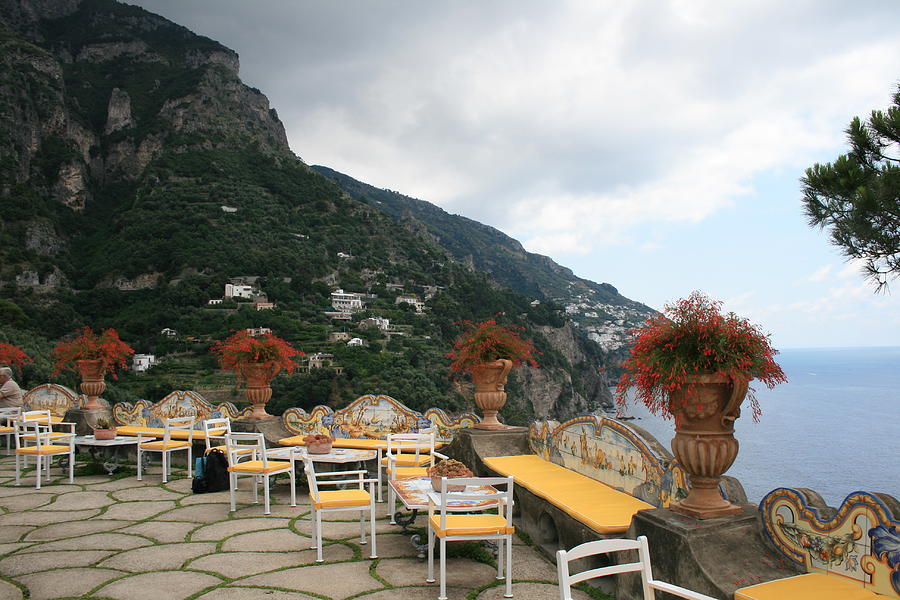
858,195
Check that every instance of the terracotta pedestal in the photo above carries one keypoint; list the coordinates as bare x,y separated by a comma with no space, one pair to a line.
258,377
92,372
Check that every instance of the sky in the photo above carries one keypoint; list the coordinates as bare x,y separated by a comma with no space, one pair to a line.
656,145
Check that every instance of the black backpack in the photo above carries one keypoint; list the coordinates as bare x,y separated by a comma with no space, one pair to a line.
215,474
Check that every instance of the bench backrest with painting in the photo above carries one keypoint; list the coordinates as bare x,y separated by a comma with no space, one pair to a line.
613,453
374,417
859,541
177,404
53,397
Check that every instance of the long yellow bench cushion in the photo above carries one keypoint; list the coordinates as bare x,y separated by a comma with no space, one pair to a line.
471,525
812,586
600,507
356,443
177,434
44,450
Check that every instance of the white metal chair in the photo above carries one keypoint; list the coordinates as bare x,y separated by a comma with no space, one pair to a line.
167,445
450,527
602,547
406,455
7,416
253,446
352,498
33,438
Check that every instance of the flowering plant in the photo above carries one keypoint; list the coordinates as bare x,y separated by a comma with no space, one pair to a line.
243,349
318,438
692,337
13,356
487,341
449,468
87,345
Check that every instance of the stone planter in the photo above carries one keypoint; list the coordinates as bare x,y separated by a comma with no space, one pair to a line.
105,434
451,487
490,396
319,447
92,373
704,442
258,377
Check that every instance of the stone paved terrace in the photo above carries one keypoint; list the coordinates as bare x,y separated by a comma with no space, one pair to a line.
123,539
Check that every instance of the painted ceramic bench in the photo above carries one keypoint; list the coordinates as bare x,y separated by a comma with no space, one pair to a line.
149,418
587,478
852,553
58,399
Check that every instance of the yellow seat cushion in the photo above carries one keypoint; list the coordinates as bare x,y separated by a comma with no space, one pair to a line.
356,443
256,466
177,434
471,525
53,435
600,507
6,430
343,498
224,450
162,445
407,472
409,460
812,586
44,450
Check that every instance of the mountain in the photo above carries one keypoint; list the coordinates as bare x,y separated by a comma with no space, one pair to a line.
598,309
139,176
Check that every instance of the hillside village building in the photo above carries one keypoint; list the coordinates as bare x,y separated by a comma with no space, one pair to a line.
238,291
347,302
255,331
141,362
411,300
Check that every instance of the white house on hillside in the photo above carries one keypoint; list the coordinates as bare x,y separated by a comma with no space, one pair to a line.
346,301
142,362
411,300
238,291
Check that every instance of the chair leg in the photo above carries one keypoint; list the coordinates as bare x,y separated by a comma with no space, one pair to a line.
266,494
140,463
374,554
165,466
500,558
71,467
18,468
293,477
430,577
380,467
319,537
443,594
190,461
256,489
392,502
232,486
39,463
508,593
362,526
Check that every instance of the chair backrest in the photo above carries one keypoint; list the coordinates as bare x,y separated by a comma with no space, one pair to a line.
411,443
603,547
38,434
237,445
179,423
40,416
215,428
502,499
12,413
310,471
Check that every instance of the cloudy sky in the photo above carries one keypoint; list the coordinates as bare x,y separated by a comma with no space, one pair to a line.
655,145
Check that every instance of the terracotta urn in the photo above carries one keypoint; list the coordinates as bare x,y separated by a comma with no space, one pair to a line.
92,373
704,442
490,379
258,377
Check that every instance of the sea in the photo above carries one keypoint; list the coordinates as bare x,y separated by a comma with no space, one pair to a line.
833,428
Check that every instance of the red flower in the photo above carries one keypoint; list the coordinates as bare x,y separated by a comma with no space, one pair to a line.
13,356
242,349
486,342
690,338
87,345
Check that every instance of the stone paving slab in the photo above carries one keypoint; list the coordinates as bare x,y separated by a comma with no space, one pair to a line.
10,592
344,530
223,529
171,585
32,563
199,513
165,532
332,580
157,558
275,540
461,572
65,583
14,533
20,503
278,510
208,498
395,546
238,593
422,593
530,591
242,564
38,518
72,529
97,541
112,485
144,493
79,501
528,563
10,548
137,511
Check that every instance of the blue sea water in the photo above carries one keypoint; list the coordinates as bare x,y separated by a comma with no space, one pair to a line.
834,427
